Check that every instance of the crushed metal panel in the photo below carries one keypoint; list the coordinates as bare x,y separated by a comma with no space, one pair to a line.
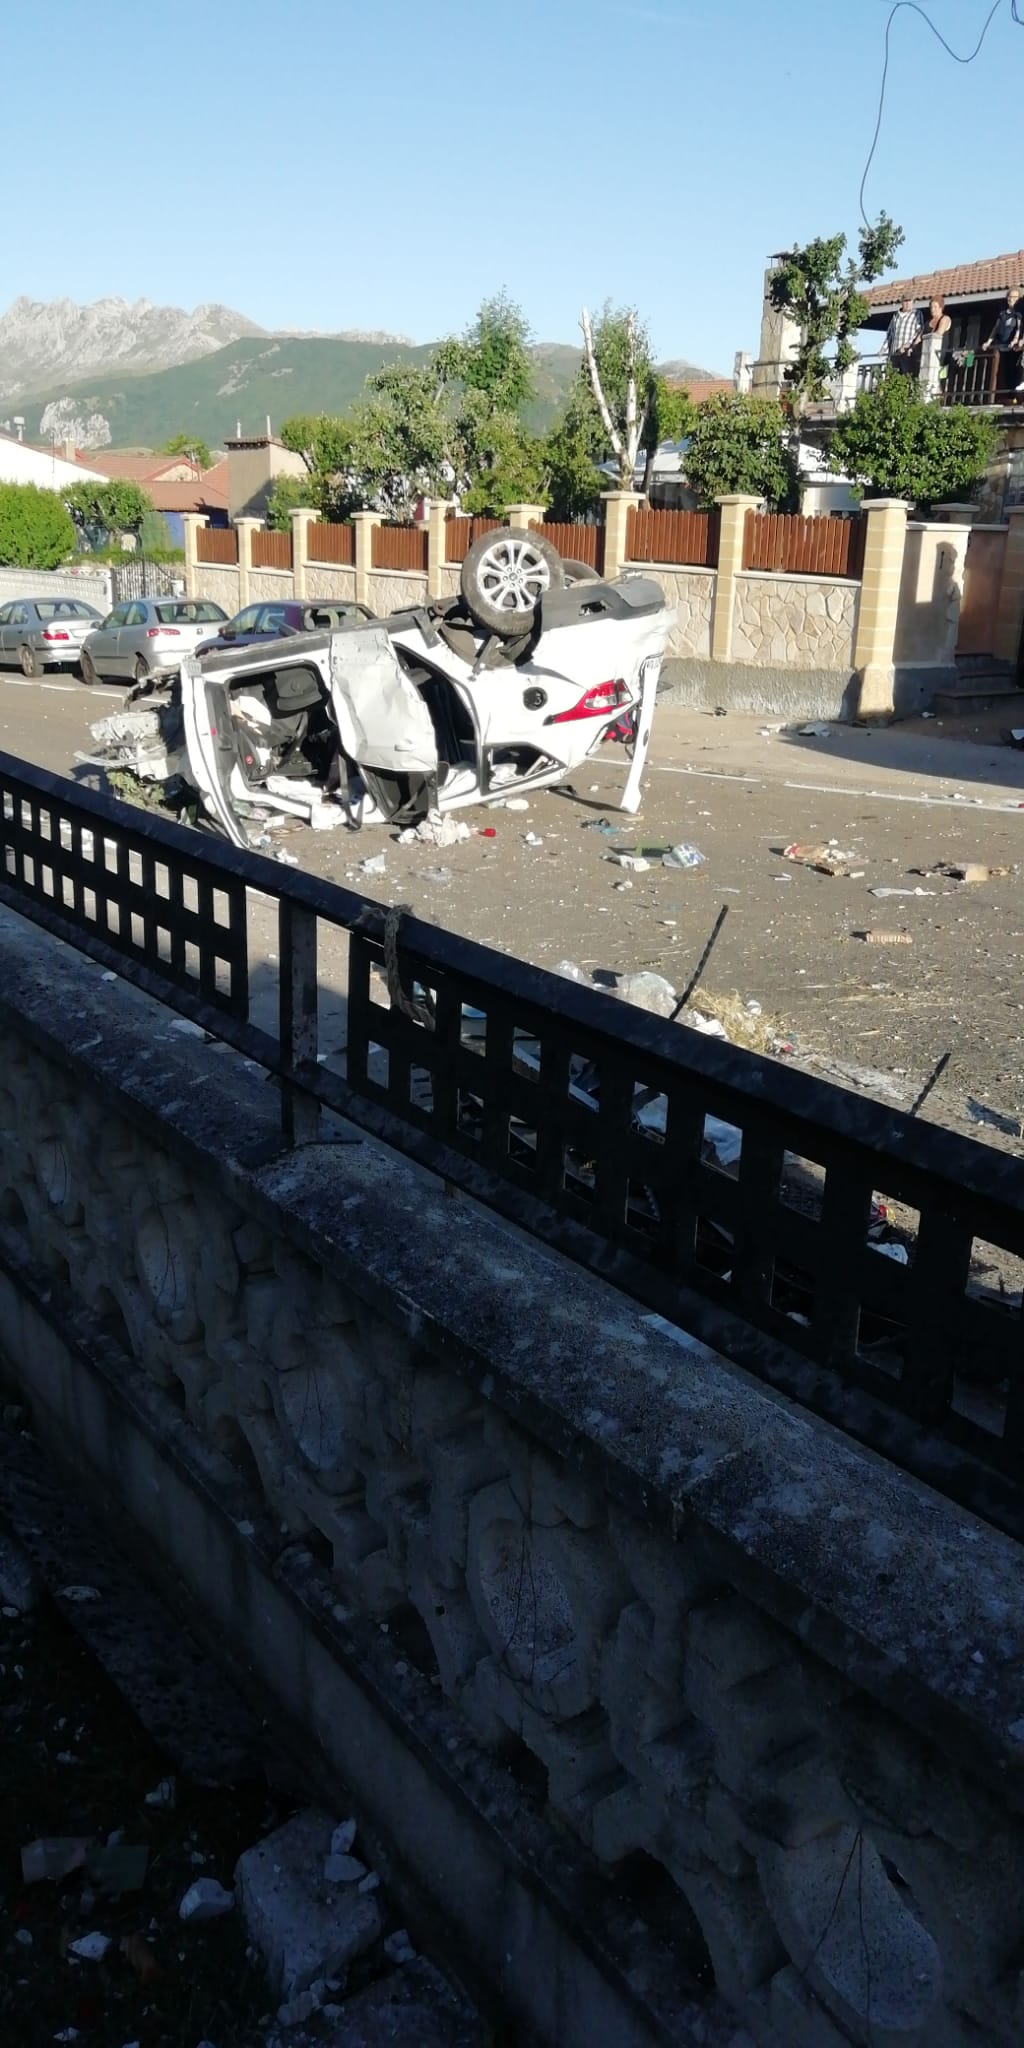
383,720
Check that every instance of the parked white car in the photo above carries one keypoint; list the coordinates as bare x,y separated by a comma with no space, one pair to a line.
148,638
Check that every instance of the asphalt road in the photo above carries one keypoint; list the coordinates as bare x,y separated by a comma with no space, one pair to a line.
901,800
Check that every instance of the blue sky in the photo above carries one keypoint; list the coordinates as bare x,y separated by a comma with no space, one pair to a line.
567,150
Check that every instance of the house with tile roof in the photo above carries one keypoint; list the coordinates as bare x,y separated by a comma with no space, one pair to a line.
174,484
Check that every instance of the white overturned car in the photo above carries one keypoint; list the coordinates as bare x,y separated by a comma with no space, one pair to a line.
508,687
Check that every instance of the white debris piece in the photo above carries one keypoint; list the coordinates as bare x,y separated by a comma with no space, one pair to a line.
90,1948
373,865
80,1594
647,991
206,1899
343,1869
164,1795
304,1929
635,862
435,830
343,1837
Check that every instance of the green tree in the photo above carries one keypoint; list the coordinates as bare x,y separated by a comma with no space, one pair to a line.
571,452
36,530
740,443
190,445
288,492
492,357
823,295
671,414
322,439
893,442
486,379
103,512
617,363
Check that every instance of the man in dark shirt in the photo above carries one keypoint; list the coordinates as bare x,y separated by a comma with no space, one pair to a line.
1005,339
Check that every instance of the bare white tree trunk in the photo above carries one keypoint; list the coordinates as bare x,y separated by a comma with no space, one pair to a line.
625,440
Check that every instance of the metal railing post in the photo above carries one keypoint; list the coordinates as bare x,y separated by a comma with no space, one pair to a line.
298,1028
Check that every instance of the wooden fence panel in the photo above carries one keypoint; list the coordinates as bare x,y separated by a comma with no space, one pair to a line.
459,535
217,544
271,550
822,544
685,537
334,544
577,543
399,547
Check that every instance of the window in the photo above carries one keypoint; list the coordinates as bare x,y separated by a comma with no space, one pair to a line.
272,618
64,608
185,613
136,615
246,621
19,615
5,614
119,615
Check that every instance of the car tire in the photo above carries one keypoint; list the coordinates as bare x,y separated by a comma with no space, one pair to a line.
506,576
88,668
141,672
579,572
31,665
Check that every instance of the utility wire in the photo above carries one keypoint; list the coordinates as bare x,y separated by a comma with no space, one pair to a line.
1015,15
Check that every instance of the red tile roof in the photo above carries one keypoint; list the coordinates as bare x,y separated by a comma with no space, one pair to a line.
700,388
207,494
125,465
964,281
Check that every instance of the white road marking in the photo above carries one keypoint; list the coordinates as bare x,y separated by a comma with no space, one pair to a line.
1005,805
66,689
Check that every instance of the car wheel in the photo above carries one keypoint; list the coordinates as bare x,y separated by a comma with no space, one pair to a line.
30,662
88,668
579,572
505,577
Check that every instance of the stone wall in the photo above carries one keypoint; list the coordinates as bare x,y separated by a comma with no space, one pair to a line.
393,590
92,586
696,1624
805,622
692,591
221,585
323,580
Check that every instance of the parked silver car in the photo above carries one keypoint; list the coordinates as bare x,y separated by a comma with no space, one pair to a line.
44,632
148,637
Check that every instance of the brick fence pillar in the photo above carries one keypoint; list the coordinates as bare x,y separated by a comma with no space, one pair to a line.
1010,613
364,523
875,634
302,518
617,506
733,511
245,529
191,522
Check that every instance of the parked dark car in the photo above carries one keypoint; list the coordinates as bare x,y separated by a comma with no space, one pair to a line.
275,621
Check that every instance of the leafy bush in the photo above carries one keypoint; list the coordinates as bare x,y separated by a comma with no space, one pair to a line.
36,531
897,444
740,443
102,512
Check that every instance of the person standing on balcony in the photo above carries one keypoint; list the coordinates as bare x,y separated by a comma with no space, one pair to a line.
902,343
1005,339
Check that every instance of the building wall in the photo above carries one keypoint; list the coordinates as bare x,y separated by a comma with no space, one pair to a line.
251,476
801,621
20,464
93,586
931,588
220,585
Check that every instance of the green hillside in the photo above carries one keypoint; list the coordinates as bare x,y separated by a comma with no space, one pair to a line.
254,377
261,375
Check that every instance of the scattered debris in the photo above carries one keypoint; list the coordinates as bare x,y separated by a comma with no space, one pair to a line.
374,864
343,1837
968,871
439,876
873,938
304,1929
398,1948
532,839
79,1594
814,732
287,860
164,1795
898,1252
683,856
602,825
206,1899
90,1948
622,885
901,892
635,862
435,830
827,859
516,803
53,1857
647,991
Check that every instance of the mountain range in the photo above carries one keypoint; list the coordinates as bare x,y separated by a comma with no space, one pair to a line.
114,374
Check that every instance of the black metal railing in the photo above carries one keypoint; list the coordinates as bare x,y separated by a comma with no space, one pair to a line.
727,1192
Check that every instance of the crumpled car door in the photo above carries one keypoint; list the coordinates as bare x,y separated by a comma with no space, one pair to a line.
382,720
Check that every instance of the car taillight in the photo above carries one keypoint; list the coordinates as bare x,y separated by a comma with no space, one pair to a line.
599,702
49,634
162,633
